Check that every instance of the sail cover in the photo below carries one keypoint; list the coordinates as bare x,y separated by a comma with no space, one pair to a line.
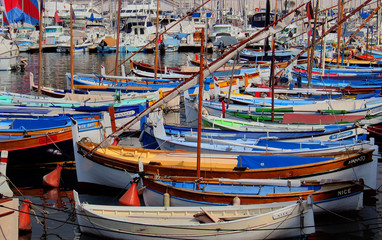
24,11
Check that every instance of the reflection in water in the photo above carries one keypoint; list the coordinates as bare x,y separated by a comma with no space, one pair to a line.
52,212
56,65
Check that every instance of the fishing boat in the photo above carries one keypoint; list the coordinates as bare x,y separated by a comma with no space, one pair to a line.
328,197
48,144
331,133
252,146
114,166
307,114
109,45
237,125
269,221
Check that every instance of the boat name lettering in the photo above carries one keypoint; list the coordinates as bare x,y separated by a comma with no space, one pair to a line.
86,125
282,214
127,113
341,135
344,192
356,161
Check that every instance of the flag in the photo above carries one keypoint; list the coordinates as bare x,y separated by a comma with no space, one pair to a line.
57,18
309,10
73,16
309,14
309,30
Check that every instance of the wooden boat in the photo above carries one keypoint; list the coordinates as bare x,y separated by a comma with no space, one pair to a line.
47,146
73,100
23,125
252,146
329,197
287,114
354,62
113,166
222,72
331,133
255,146
339,81
280,55
213,86
237,125
310,105
247,222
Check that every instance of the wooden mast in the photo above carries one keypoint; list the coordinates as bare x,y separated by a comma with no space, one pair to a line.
166,30
339,29
272,73
118,27
40,52
326,33
71,49
376,11
201,77
156,44
310,64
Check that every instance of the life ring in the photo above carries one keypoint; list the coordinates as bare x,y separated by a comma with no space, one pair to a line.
257,9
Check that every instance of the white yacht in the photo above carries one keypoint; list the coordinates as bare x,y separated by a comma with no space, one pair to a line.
9,54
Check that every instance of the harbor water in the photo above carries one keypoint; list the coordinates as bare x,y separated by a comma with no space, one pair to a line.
54,217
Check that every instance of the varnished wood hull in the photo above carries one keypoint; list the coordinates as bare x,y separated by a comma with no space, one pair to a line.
115,171
336,197
50,147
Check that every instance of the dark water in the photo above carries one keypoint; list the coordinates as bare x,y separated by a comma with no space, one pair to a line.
56,65
54,208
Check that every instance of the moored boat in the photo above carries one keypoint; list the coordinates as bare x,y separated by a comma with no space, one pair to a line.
114,166
328,197
270,221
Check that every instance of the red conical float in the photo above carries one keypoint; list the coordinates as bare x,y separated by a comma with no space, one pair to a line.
52,179
130,198
24,217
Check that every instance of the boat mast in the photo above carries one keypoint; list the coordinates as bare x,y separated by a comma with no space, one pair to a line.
339,29
326,33
324,44
310,64
201,78
272,73
376,10
156,44
71,49
40,52
118,29
216,64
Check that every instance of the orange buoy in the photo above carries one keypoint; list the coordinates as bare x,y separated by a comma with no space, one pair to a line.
24,217
52,179
130,198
